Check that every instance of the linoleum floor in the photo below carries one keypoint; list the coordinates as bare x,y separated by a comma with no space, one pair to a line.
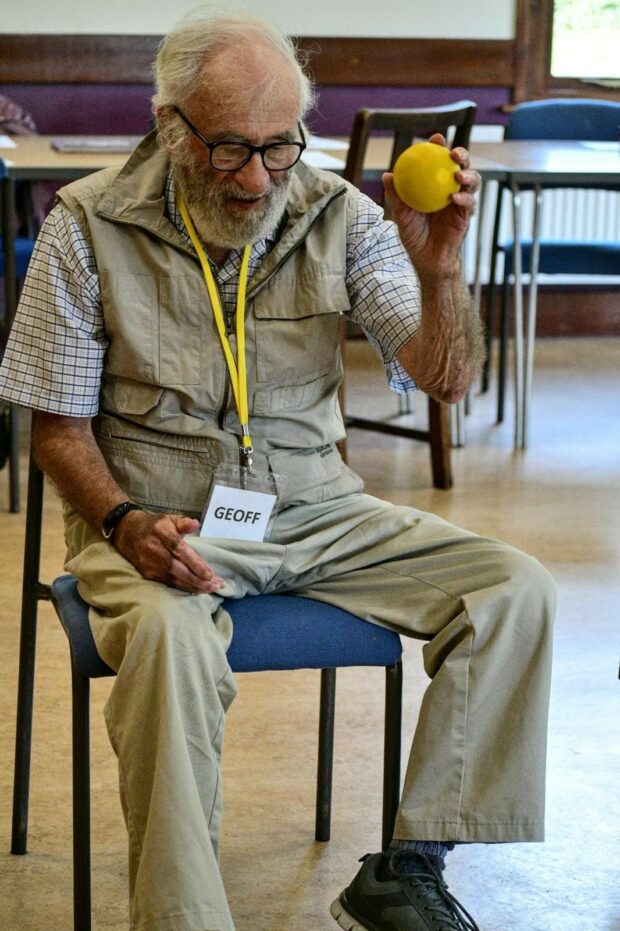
559,500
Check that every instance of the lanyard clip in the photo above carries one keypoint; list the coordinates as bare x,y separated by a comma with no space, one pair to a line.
245,457
246,450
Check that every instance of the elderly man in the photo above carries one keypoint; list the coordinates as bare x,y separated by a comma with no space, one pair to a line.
165,389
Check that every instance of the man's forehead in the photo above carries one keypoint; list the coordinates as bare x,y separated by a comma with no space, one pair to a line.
248,86
248,124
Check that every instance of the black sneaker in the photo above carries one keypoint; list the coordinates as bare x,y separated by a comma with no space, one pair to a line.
382,898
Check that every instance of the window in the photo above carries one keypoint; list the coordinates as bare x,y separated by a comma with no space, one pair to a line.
567,48
586,39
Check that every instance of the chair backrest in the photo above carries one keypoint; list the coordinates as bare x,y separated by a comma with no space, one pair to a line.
454,121
583,119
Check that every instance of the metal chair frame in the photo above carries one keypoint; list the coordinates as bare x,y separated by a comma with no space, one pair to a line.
33,591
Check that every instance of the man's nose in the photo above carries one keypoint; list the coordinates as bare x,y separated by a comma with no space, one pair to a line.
253,177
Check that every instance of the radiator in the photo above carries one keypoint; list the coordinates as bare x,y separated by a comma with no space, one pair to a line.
566,215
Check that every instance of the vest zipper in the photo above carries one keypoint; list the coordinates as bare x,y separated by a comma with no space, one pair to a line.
297,244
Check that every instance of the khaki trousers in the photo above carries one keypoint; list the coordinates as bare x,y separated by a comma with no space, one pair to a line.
477,765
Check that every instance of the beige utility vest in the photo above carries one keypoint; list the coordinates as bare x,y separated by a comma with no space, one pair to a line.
167,415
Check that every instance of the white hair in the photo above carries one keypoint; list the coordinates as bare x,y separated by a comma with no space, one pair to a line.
205,31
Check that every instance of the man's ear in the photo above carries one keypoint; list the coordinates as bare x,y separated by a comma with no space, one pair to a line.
163,118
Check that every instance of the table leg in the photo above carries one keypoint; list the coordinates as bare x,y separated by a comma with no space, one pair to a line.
530,333
477,289
457,424
518,314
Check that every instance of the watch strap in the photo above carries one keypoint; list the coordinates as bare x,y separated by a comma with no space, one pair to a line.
114,517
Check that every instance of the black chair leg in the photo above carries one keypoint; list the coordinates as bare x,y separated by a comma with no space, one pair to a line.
392,744
32,592
325,763
13,460
23,731
81,802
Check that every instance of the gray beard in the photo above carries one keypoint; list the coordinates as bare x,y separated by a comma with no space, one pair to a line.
211,216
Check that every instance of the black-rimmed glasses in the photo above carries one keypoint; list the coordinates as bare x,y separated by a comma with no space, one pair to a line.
231,156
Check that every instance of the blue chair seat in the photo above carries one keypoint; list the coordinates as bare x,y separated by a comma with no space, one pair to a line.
269,632
577,257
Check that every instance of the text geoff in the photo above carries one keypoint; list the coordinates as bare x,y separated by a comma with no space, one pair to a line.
237,514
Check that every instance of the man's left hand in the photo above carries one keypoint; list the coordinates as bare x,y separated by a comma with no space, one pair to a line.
433,240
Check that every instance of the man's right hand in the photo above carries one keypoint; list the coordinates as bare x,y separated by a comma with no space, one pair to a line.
154,544
66,450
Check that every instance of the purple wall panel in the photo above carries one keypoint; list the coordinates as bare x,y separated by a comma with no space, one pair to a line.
114,108
85,108
336,106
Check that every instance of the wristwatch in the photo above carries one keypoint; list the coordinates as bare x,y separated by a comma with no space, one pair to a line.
115,516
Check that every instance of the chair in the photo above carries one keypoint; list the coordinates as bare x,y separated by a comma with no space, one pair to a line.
454,121
16,257
270,632
582,119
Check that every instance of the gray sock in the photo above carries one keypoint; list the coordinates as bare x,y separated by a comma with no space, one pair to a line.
429,848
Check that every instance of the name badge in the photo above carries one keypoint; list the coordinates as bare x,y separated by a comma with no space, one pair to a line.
241,505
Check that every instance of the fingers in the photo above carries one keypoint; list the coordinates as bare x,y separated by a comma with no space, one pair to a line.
200,570
184,524
470,182
186,566
182,577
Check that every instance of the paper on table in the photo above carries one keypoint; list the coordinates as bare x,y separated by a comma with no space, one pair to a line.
320,142
603,146
95,143
321,159
7,143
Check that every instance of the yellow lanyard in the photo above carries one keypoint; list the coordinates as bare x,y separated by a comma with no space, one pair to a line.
237,368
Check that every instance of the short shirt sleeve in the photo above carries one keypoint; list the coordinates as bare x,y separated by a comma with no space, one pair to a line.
54,356
383,288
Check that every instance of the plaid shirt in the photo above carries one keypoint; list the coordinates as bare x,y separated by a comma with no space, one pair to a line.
55,354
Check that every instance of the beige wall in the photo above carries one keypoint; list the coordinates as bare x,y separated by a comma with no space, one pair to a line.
485,19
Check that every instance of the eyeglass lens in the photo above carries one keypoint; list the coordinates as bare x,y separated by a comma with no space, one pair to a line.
228,156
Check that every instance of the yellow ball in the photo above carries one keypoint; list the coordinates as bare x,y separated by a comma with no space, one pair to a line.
424,177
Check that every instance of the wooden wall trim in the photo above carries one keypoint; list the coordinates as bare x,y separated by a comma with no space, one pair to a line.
122,59
421,62
77,59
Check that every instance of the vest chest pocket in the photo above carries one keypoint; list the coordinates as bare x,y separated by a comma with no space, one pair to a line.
157,327
297,332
